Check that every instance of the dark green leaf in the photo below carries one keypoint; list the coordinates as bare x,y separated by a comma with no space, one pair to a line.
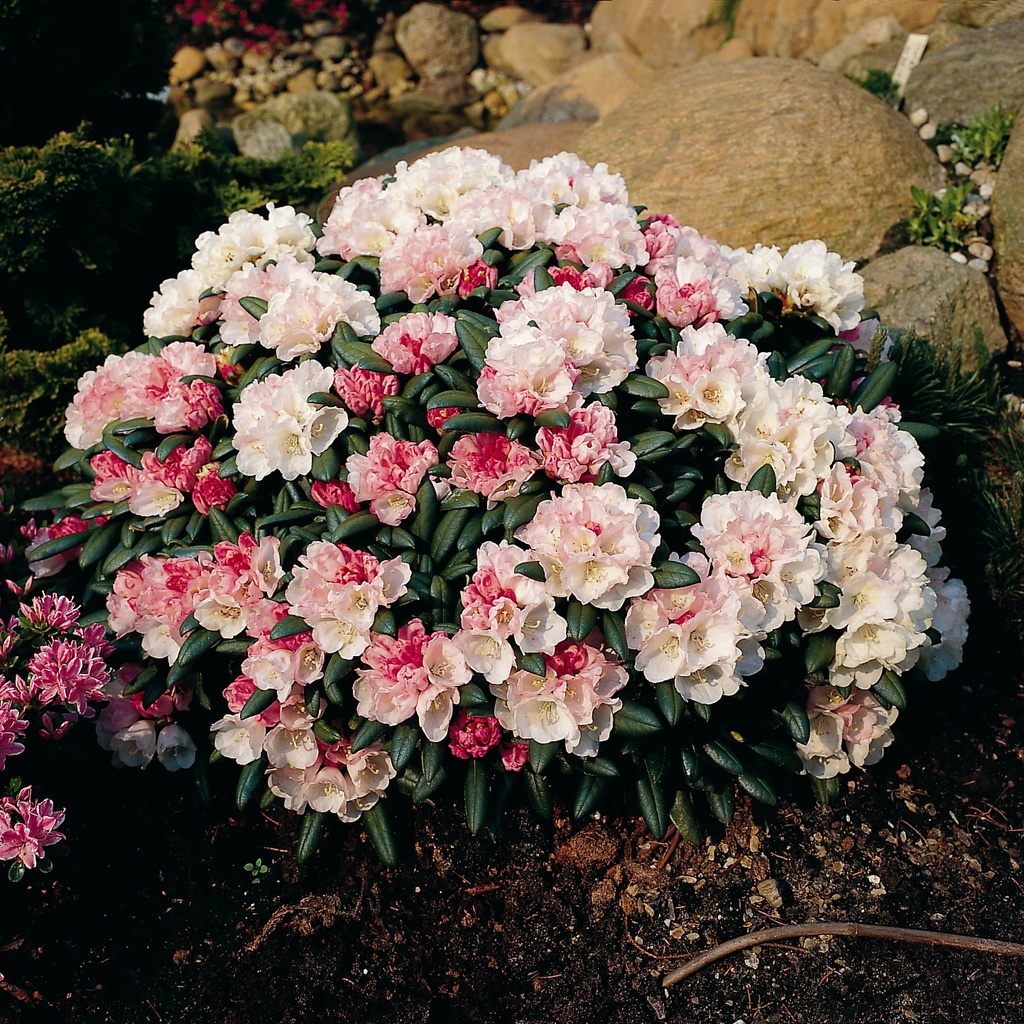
403,745
581,619
826,790
721,755
257,703
641,386
794,717
249,781
58,546
614,633
634,719
378,829
532,571
553,418
723,804
652,807
763,480
290,625
672,575
683,816
539,794
541,755
758,788
875,386
476,796
311,831
819,652
890,689
369,732
254,306
588,795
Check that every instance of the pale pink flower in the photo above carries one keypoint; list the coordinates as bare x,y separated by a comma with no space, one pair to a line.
576,452
417,342
174,748
491,465
177,309
365,219
573,702
339,591
595,544
389,475
427,262
692,293
844,731
237,325
364,391
65,527
411,674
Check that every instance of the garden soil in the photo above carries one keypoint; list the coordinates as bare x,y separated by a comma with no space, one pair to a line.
157,914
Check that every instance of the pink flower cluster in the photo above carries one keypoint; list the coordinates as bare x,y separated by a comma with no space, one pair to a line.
595,544
844,731
475,736
140,386
228,592
364,391
573,702
410,674
491,465
27,827
157,488
417,341
575,453
339,591
389,475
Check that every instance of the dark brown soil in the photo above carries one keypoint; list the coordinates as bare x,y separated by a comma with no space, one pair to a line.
152,916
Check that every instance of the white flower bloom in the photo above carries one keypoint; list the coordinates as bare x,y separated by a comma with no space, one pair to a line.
239,739
174,748
135,746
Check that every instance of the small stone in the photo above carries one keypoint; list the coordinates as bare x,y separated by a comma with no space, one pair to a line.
234,46
212,93
329,48
501,19
977,264
980,249
316,29
958,257
976,208
388,68
187,63
255,61
944,153
962,168
919,117
769,889
304,81
190,127
928,131
220,57
986,188
328,81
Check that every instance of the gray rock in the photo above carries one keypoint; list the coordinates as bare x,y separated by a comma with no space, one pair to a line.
536,52
982,12
438,42
451,93
942,298
592,87
1008,225
213,93
259,134
871,34
968,77
767,150
288,120
389,69
329,47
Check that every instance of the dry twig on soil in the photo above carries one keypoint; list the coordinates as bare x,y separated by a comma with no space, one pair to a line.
848,928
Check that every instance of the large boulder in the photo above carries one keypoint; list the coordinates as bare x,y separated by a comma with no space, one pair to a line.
591,88
767,150
536,52
438,42
1008,225
663,32
981,12
943,299
810,28
963,80
295,118
518,147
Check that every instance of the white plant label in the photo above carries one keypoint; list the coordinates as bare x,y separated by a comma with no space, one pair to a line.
913,51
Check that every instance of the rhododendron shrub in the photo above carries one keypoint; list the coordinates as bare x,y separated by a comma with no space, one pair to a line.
491,480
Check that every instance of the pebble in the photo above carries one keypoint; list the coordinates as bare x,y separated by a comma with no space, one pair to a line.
919,117
927,131
944,153
986,188
977,264
980,249
958,257
963,168
976,208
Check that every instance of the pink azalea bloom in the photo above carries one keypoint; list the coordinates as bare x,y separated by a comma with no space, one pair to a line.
389,475
638,292
578,451
26,840
210,491
364,391
473,736
491,465
515,756
479,275
12,728
693,293
53,610
428,261
417,342
69,672
334,492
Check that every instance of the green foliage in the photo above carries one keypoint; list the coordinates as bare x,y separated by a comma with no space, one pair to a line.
940,220
985,138
64,60
36,387
85,211
877,82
